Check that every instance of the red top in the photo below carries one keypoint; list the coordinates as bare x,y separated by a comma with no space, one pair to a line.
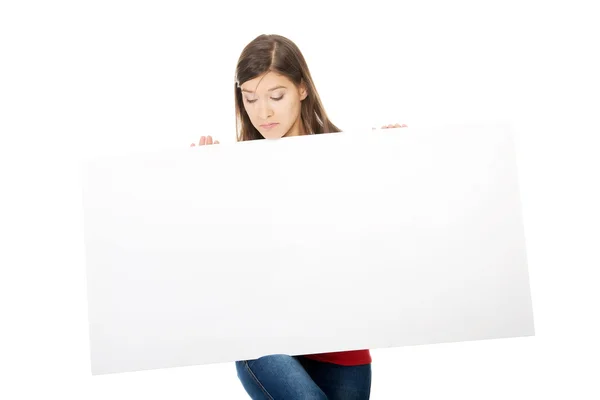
347,358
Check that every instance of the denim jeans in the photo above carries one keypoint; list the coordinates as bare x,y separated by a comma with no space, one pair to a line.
282,377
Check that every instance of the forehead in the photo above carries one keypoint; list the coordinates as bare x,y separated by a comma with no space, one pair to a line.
265,82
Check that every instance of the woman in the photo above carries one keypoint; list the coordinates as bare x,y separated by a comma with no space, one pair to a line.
275,97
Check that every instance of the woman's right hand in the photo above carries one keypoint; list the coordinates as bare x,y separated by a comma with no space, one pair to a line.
205,140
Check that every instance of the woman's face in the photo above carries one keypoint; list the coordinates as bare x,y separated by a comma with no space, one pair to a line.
273,103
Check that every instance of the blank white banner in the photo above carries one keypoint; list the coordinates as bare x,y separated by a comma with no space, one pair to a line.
321,243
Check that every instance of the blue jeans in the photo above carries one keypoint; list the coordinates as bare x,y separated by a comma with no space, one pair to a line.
285,377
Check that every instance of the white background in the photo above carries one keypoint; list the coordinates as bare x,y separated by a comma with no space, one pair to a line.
78,78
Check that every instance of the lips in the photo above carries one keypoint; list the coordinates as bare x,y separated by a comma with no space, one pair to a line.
269,126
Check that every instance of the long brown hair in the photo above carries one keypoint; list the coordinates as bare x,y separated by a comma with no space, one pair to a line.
280,55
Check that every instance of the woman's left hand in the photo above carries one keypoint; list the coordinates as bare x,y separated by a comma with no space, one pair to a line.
394,126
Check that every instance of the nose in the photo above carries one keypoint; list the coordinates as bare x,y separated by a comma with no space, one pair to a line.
265,110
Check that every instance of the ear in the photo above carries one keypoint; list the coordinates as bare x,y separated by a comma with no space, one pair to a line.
303,91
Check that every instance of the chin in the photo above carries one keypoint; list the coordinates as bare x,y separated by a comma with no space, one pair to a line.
271,135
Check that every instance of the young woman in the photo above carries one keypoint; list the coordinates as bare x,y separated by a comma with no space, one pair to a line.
275,97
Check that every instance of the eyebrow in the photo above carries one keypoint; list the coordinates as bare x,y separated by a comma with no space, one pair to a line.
270,90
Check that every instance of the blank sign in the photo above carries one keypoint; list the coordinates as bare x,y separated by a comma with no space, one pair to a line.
311,244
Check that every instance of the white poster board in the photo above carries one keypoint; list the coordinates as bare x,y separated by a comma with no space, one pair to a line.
321,243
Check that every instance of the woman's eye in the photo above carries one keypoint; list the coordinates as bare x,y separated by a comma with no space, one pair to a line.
272,98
